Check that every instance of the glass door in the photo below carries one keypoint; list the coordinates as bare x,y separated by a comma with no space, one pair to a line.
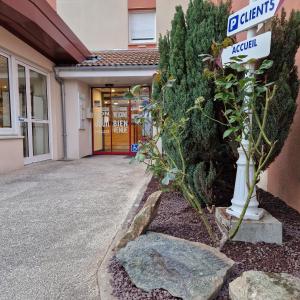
120,109
114,128
34,117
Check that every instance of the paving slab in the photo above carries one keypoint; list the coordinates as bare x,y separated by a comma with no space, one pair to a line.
58,220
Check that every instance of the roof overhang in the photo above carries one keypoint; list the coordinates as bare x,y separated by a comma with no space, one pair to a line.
98,76
36,23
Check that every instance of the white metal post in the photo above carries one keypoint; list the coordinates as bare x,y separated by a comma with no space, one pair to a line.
241,188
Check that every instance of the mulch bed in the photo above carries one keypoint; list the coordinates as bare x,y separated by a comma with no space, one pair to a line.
175,217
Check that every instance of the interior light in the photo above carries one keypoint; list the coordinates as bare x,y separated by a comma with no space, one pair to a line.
113,90
5,86
116,103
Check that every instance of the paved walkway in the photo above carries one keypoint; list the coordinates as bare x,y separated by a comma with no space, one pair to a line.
57,221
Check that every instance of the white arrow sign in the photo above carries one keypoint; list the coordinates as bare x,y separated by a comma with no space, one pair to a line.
255,48
252,15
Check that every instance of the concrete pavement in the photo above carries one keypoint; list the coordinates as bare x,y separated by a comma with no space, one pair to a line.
58,220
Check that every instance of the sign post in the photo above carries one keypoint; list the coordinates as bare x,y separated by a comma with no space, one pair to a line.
258,11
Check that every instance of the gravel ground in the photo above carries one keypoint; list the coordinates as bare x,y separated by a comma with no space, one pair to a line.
176,218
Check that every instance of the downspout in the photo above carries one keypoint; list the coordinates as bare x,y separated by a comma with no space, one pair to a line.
63,110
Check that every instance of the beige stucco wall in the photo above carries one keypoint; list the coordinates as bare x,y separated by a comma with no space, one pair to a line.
85,135
26,54
165,12
100,24
11,154
78,140
284,173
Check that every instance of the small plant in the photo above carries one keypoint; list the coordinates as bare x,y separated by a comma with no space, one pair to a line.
171,174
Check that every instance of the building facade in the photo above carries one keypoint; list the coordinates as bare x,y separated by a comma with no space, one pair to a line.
33,40
65,68
124,54
118,24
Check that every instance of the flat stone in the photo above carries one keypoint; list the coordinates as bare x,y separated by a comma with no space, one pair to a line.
142,220
254,285
268,229
191,271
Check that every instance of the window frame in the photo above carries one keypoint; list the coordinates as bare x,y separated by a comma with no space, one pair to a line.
134,42
12,130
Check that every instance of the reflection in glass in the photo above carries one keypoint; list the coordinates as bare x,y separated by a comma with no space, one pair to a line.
40,138
22,91
114,119
120,120
38,90
5,117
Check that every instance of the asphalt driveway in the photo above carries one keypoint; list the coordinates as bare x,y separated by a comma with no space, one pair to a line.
57,222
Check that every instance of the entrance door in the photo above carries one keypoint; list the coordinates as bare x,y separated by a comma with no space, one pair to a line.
114,128
34,116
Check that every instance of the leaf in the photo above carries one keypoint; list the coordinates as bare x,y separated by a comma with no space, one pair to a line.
228,111
220,95
228,85
135,90
267,64
227,133
128,95
165,181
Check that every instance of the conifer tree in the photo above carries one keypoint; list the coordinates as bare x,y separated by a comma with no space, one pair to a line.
175,96
209,159
284,73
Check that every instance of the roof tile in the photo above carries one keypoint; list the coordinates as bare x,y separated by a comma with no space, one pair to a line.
114,58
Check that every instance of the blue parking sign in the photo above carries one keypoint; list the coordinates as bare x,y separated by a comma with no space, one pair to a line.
135,148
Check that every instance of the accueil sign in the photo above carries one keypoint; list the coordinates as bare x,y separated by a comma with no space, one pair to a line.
254,48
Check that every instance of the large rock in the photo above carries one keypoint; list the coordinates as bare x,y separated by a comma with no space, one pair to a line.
254,285
142,220
187,270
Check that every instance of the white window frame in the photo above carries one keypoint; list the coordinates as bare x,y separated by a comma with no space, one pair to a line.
29,67
11,131
134,12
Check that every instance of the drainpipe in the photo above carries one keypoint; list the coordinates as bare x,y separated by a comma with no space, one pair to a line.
63,106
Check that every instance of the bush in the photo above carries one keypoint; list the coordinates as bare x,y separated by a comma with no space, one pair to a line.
285,44
210,161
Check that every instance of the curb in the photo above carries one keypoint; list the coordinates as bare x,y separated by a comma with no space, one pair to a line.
103,277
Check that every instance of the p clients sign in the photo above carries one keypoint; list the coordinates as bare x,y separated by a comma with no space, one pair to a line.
254,48
252,15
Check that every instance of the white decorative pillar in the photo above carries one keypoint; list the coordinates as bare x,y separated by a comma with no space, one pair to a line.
241,189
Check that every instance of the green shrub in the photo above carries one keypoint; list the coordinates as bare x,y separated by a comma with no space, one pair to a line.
284,73
210,160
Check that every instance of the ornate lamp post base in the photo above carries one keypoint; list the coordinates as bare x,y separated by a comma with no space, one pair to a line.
241,191
256,216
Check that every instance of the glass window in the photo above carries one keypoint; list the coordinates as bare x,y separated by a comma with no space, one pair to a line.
38,91
22,91
142,27
5,113
40,138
